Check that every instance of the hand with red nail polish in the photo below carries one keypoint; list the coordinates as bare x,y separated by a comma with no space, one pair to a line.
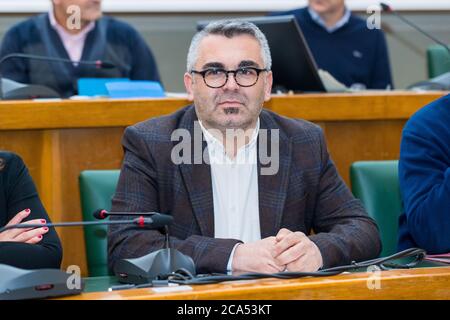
28,235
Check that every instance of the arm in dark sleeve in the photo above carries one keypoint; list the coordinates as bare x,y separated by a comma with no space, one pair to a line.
425,185
21,194
14,68
137,190
344,232
144,64
381,70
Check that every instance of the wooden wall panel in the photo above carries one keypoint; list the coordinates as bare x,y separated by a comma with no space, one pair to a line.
82,149
350,141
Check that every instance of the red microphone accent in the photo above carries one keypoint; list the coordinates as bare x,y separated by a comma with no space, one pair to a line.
102,214
141,221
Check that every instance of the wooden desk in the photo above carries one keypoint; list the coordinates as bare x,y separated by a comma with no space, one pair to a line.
422,283
59,139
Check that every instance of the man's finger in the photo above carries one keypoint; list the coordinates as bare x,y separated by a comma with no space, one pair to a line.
291,254
290,240
300,265
276,267
282,233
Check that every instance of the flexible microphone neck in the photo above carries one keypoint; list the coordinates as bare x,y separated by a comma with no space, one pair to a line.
103,214
159,220
139,222
386,8
98,64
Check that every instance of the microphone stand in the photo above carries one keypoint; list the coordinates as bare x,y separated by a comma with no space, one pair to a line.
17,283
157,265
388,9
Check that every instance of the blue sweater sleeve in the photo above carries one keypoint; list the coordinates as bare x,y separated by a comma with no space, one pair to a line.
13,68
144,66
425,178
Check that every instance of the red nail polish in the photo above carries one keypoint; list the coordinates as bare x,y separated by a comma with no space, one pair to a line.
45,229
43,221
40,237
27,210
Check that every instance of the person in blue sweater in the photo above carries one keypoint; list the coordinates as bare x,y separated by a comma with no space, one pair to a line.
64,33
342,44
424,173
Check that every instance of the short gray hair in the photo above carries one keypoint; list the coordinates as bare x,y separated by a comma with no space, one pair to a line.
229,29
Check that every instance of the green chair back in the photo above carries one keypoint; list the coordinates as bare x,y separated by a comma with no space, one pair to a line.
376,184
438,59
97,188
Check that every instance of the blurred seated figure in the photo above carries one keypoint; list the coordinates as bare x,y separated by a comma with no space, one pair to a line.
424,172
343,45
76,30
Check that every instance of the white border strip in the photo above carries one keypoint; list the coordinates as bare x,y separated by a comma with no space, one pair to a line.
144,6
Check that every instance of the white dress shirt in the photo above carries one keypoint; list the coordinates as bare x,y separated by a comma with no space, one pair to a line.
235,190
318,19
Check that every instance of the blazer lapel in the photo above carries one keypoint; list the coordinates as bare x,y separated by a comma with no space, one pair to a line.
272,187
197,176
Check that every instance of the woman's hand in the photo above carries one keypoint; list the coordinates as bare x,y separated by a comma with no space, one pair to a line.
28,235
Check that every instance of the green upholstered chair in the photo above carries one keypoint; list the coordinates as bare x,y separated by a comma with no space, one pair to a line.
438,59
376,184
96,190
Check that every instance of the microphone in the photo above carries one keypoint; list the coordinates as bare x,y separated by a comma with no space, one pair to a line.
42,90
16,283
386,8
99,64
140,222
158,220
103,214
155,265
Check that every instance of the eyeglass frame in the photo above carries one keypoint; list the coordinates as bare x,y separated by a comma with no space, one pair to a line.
234,72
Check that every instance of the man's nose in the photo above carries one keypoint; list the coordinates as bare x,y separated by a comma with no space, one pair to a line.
231,83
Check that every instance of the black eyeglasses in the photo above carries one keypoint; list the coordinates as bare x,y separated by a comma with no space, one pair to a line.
218,77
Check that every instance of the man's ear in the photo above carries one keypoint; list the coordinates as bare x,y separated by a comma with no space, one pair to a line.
188,84
268,86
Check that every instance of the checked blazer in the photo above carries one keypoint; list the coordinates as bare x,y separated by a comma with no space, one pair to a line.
306,194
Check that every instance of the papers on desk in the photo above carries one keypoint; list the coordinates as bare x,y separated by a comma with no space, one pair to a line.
443,258
330,83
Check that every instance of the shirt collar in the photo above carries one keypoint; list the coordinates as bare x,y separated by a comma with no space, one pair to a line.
210,139
63,32
316,18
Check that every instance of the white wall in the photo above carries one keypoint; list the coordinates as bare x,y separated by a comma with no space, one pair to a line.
219,5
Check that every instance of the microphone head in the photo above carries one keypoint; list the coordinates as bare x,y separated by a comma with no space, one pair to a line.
100,214
385,7
161,220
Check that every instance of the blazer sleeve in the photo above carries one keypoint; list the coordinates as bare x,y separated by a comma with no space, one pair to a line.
21,194
138,190
343,230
